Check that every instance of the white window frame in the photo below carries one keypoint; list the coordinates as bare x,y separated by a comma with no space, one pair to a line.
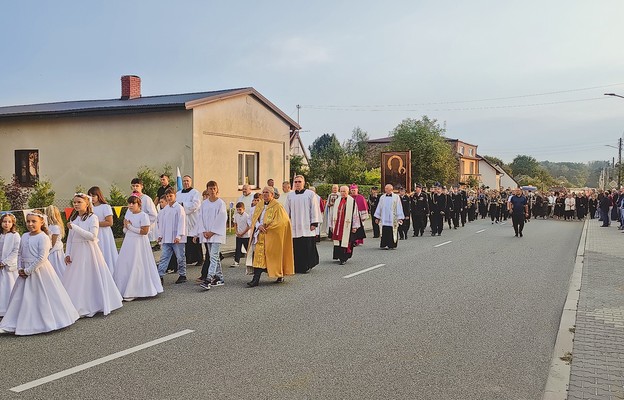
243,158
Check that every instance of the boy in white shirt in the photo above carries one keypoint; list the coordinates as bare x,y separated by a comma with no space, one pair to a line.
242,226
171,223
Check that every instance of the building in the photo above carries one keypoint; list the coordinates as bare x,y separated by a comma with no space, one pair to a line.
233,136
491,174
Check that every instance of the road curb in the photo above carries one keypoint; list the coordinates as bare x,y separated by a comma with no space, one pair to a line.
559,373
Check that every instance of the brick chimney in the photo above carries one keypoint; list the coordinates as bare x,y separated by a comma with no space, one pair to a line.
130,87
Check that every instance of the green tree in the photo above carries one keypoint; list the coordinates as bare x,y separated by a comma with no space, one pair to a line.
432,157
297,167
358,143
372,176
42,195
524,165
4,201
116,197
325,154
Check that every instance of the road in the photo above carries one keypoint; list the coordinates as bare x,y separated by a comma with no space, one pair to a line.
475,318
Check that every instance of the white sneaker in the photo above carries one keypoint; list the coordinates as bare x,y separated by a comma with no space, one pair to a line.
234,264
128,298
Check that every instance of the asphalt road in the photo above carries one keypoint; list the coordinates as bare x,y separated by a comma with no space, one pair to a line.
476,318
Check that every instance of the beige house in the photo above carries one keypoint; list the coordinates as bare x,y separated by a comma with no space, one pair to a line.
232,136
466,154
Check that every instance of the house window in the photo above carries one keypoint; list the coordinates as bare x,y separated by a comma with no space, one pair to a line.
27,166
247,169
471,152
461,150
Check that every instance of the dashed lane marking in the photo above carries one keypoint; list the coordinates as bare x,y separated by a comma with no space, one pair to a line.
363,271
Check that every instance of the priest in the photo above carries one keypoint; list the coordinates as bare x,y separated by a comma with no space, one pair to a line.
389,215
270,245
303,209
362,205
345,222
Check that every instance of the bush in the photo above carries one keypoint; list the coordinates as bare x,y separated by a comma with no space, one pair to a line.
4,201
42,195
151,179
16,194
117,198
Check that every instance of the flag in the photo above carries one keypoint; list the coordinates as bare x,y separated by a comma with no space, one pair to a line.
118,210
179,180
68,212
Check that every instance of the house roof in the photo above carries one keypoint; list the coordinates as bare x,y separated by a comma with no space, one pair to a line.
142,104
384,140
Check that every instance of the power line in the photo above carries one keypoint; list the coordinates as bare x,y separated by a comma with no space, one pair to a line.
464,101
329,108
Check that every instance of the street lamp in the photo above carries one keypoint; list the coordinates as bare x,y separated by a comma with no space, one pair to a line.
614,95
619,148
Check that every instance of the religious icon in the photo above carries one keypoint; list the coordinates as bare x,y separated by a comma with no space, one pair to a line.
396,169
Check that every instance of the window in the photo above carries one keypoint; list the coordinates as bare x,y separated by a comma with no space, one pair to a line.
471,152
248,169
27,166
461,150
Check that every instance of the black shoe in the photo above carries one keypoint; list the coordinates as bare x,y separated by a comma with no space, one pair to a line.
342,262
433,234
199,263
279,280
181,279
439,234
162,281
520,234
516,235
256,278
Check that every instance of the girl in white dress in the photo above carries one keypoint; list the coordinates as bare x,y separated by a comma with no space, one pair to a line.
9,246
87,279
106,240
136,274
57,232
39,302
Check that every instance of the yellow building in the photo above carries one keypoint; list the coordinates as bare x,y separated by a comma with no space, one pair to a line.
466,154
232,136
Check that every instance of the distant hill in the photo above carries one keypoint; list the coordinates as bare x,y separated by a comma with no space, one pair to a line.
577,174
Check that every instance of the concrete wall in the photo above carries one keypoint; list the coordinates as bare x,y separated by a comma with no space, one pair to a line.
98,150
222,129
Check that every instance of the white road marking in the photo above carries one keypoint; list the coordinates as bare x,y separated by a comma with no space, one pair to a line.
362,271
442,244
502,223
94,363
480,231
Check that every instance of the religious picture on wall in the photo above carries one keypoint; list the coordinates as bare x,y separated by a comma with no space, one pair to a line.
27,166
396,169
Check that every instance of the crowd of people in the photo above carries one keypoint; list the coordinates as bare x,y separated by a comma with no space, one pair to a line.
44,287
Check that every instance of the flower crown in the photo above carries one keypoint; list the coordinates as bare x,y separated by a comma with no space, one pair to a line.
82,195
43,216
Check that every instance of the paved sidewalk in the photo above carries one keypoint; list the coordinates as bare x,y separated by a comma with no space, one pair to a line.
597,369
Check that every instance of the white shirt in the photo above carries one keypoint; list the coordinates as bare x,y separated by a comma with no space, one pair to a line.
212,217
303,210
246,200
389,210
171,224
243,222
191,202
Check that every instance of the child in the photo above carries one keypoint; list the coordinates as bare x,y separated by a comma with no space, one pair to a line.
172,235
172,268
148,206
106,240
57,231
39,302
87,279
136,274
9,246
242,226
254,201
211,229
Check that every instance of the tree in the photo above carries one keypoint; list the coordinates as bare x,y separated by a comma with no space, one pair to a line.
524,165
4,201
42,195
432,157
297,167
325,155
358,143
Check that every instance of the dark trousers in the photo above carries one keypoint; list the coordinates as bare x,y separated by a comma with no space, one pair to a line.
404,228
463,215
193,251
420,223
437,223
518,222
455,216
240,243
375,228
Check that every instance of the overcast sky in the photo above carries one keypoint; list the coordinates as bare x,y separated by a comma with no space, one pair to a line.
522,77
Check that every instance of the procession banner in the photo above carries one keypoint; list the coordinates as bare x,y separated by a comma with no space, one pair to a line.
396,169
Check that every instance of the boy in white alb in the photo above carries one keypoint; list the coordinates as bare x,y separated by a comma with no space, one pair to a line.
242,225
171,223
211,229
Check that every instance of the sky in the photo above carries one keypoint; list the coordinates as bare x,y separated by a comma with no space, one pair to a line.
513,78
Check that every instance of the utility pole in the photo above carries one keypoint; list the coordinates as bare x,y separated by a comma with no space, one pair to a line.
298,108
619,162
